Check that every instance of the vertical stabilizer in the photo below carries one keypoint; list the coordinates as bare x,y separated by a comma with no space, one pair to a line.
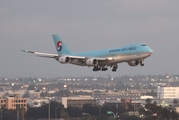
60,45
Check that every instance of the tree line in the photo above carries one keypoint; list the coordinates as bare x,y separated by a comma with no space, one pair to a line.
151,111
57,110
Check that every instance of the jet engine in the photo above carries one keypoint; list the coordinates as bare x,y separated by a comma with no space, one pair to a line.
64,59
134,63
91,61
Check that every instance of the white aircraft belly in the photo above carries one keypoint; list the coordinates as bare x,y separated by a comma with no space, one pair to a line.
124,58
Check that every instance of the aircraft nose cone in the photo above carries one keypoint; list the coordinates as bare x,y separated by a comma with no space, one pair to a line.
150,51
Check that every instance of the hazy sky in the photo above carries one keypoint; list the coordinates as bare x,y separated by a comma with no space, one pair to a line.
87,25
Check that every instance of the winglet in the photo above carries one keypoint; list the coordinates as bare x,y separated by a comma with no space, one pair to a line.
27,51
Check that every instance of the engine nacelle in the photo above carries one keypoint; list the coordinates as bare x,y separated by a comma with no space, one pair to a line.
64,59
134,63
91,61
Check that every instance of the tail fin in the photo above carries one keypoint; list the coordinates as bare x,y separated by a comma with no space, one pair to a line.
60,45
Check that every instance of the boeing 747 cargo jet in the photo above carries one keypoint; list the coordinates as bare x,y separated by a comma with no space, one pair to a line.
134,55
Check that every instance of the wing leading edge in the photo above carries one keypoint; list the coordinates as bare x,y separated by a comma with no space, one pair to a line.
49,55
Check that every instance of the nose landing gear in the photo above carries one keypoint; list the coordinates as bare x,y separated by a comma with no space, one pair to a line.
141,62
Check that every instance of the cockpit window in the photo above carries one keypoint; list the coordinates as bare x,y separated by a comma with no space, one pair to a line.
143,45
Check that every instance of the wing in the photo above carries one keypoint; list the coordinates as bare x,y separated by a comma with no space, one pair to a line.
77,60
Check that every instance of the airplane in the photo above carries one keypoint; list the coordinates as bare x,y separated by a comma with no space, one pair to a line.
134,55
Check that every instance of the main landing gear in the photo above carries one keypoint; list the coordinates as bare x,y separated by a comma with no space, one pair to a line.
98,68
104,69
114,68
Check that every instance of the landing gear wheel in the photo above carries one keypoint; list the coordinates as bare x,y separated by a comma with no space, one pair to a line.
114,68
96,68
104,69
141,62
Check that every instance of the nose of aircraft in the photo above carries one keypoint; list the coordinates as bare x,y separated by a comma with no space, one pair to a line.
150,50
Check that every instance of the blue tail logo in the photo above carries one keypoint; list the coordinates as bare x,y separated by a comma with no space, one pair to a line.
59,46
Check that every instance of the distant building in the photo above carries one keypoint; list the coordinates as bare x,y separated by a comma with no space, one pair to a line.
78,101
13,102
126,103
168,92
177,109
134,104
146,97
96,94
37,94
37,102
